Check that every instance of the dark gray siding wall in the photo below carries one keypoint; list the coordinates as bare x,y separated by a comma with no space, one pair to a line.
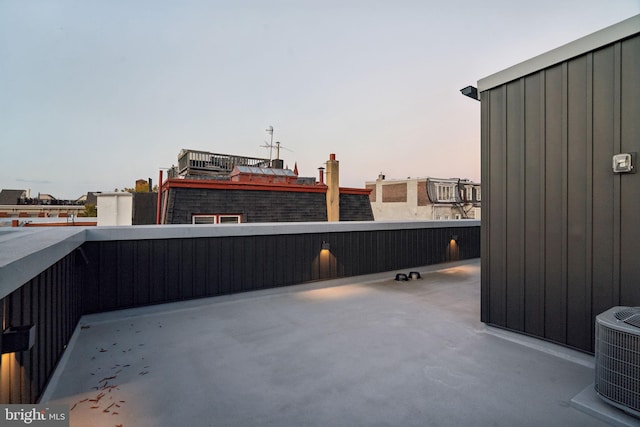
254,206
355,207
52,302
560,230
133,273
144,208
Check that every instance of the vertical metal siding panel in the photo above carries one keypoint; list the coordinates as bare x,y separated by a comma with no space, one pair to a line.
4,380
588,318
312,252
497,237
15,304
27,357
389,244
355,257
220,266
485,224
578,331
555,302
236,270
247,262
514,209
603,181
333,260
617,71
278,261
172,270
157,276
41,340
269,262
54,306
108,275
343,243
186,263
303,271
143,263
377,260
90,291
533,171
35,350
412,247
48,322
432,251
630,183
419,247
200,267
126,267
347,254
366,244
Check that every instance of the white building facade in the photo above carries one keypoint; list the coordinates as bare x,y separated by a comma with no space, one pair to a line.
424,198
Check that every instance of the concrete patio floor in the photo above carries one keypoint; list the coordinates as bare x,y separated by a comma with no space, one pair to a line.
365,351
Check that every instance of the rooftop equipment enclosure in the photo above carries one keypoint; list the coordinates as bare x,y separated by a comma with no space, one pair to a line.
560,230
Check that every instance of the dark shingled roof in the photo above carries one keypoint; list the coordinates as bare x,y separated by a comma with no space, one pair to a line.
11,197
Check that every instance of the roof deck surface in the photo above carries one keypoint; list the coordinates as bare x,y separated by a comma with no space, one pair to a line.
366,351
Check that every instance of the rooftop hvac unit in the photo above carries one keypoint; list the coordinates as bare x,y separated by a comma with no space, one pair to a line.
617,361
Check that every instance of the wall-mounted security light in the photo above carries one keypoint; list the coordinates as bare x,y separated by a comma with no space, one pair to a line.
19,338
454,237
325,246
624,163
471,92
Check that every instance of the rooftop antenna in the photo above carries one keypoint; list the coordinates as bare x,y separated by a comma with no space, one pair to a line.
278,147
269,130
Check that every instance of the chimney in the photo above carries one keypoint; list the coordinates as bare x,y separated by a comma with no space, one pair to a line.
321,175
333,189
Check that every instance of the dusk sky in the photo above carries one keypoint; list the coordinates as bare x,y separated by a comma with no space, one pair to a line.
96,94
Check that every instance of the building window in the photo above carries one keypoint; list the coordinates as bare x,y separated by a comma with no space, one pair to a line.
469,194
458,216
228,219
478,194
446,193
216,219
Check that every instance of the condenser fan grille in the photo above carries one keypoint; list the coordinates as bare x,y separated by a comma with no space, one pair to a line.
625,313
618,360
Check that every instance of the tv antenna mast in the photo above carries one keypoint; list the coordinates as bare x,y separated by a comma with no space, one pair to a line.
270,145
269,130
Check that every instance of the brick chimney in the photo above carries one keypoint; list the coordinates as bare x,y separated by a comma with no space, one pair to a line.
333,189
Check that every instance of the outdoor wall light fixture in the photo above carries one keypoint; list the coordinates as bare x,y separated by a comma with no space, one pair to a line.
325,246
624,163
454,237
19,338
471,92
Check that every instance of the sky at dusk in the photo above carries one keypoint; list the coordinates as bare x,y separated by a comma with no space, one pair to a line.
96,94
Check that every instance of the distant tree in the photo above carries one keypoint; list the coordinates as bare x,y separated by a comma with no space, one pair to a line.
90,210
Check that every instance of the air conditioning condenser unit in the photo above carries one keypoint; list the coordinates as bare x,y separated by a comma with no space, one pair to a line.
617,358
